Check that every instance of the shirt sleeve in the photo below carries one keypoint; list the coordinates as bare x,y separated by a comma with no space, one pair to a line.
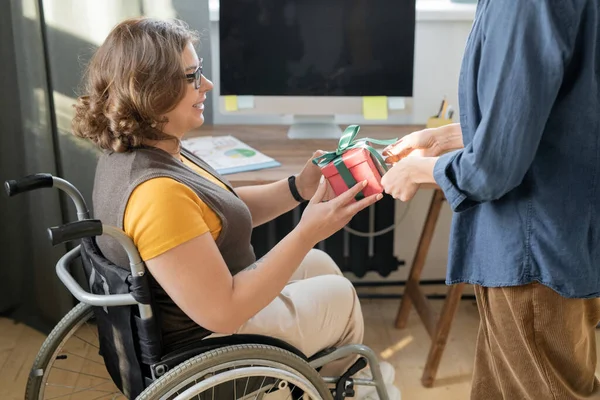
524,49
161,214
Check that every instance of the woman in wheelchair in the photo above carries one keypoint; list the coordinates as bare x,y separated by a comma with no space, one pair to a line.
144,91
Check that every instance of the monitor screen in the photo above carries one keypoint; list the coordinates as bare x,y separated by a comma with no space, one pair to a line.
317,47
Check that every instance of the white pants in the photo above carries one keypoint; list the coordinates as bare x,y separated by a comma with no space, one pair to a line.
316,310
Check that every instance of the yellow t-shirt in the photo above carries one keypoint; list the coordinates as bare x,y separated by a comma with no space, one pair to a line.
162,213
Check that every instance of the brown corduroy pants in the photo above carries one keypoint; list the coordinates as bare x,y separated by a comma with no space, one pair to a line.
535,344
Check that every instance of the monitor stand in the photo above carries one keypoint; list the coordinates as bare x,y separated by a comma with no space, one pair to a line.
314,127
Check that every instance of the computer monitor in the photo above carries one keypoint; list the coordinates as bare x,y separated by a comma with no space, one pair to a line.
315,49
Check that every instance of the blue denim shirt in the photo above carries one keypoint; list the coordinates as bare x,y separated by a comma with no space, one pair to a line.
526,187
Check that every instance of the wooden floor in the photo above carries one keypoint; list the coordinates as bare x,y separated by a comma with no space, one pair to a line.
405,349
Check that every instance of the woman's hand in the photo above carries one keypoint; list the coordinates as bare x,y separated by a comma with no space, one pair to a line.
422,143
308,179
430,142
322,219
403,179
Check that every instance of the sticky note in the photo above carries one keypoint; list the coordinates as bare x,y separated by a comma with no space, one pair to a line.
396,103
244,102
231,103
375,107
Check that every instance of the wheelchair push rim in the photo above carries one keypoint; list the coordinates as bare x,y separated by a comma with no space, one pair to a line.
272,369
283,381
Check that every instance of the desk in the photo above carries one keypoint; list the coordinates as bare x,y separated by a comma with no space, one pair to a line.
292,154
272,140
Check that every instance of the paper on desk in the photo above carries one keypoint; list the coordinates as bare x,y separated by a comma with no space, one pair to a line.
228,155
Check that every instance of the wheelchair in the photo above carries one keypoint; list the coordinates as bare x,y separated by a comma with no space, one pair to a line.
109,345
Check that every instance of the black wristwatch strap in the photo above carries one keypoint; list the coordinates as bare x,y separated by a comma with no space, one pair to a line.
294,189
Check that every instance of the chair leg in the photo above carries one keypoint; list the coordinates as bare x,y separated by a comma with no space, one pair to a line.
438,341
420,256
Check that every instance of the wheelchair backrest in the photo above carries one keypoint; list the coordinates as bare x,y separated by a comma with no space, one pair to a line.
128,343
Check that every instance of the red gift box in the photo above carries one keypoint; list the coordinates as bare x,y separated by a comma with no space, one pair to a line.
360,164
354,161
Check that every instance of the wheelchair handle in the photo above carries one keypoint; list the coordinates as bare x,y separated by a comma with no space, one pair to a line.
27,183
74,230
40,181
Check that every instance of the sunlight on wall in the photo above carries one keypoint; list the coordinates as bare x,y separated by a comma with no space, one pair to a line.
159,9
64,110
29,9
90,20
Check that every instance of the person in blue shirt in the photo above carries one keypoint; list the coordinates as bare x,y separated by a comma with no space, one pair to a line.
521,171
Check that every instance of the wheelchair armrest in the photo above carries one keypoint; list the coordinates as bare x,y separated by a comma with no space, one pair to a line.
108,300
88,229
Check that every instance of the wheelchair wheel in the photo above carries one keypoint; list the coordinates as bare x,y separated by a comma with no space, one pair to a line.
248,371
68,364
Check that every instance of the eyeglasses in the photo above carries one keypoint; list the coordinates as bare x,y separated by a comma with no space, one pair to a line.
196,76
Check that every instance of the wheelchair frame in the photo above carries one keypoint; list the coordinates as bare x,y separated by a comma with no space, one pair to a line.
85,227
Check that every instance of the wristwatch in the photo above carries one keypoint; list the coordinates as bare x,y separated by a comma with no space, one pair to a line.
294,189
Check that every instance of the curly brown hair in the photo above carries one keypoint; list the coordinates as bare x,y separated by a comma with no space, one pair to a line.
133,79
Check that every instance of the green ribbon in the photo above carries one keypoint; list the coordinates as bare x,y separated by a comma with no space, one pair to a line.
348,142
346,176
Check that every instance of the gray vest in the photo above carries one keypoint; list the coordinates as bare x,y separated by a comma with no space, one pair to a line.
118,174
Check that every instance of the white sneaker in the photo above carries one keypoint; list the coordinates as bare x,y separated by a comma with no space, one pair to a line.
387,371
393,392
370,392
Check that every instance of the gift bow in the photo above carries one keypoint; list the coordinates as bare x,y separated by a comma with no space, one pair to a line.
348,142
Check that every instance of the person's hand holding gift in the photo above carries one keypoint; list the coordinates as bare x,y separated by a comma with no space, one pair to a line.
430,142
414,157
403,180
